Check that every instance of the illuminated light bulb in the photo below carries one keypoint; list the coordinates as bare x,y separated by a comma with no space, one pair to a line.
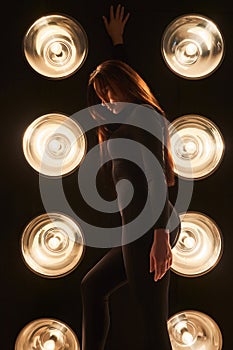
194,330
189,242
55,46
187,53
50,345
190,147
54,144
187,338
197,146
191,49
192,46
199,246
52,245
47,334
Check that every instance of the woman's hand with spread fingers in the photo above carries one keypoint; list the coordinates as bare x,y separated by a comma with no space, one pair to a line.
116,24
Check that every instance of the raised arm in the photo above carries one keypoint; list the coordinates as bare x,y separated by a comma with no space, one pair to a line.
115,27
116,24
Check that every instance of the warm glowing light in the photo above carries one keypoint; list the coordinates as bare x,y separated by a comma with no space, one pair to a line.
197,146
54,144
52,245
47,334
56,46
189,242
191,49
194,330
187,338
192,46
50,345
190,147
199,246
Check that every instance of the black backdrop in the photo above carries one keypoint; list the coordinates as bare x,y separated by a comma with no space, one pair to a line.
26,95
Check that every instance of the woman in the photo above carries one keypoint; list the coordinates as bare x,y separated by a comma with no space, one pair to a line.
143,259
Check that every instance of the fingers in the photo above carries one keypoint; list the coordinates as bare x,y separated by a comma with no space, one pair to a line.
160,272
118,11
159,269
119,15
122,13
126,19
105,21
111,15
170,262
152,267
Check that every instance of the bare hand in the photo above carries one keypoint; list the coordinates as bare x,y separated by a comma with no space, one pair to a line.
116,24
160,254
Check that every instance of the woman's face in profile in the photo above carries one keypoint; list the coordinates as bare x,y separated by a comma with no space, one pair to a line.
113,102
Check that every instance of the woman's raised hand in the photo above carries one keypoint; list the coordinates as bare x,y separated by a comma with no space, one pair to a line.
116,24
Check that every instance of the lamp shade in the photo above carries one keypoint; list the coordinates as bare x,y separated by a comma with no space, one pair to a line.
194,330
54,144
47,334
192,46
55,46
197,146
199,246
52,245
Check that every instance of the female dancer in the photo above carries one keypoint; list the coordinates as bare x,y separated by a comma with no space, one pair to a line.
144,258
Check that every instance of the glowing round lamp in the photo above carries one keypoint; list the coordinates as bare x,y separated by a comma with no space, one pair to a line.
54,144
52,245
194,330
192,46
55,46
197,146
47,334
199,247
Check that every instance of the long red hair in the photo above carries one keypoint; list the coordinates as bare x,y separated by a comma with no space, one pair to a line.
123,81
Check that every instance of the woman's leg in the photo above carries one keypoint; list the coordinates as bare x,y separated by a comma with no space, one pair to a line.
96,286
151,298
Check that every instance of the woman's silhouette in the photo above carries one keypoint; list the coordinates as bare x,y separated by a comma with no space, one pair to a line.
142,261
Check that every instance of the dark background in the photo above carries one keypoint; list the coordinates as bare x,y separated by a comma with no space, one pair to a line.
27,95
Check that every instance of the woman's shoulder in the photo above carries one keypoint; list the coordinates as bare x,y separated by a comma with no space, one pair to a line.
146,117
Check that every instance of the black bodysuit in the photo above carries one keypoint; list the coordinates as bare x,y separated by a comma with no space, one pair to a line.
137,158
140,185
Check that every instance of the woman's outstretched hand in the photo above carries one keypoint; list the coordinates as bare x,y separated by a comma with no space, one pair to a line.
160,254
116,24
